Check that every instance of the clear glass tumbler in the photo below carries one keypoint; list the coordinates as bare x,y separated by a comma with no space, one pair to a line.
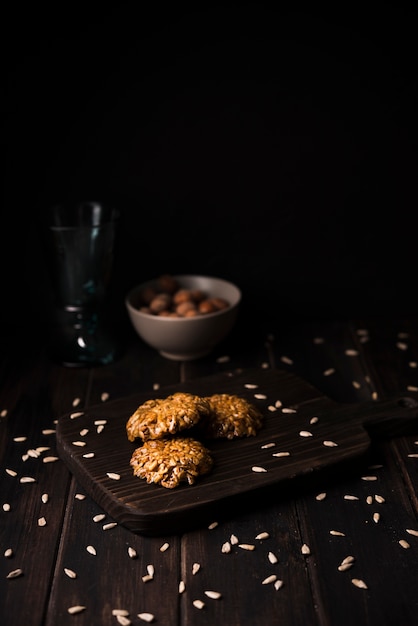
80,241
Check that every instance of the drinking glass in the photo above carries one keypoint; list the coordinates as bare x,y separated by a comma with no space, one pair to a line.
80,241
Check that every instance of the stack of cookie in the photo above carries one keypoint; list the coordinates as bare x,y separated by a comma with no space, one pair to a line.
167,458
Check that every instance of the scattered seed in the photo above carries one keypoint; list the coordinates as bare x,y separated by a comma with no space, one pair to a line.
73,416
19,439
84,432
223,359
44,498
25,457
146,578
100,422
79,444
214,595
122,612
305,433
198,604
80,496
357,582
50,459
246,546
258,469
234,540
329,371
348,559
260,396
369,478
113,476
314,420
146,617
88,455
305,549
375,395
76,402
271,408
336,533
350,352
272,558
269,579
132,552
3,413
100,429
369,500
410,531
263,535
48,431
72,610
349,497
344,567
15,573
150,570
286,359
268,445
41,521
278,404
123,620
412,388
356,384
156,386
8,553
401,345
280,454
70,573
404,544
99,517
250,386
413,456
164,547
376,517
278,584
212,525
91,550
104,396
27,479
195,568
330,444
321,496
182,586
288,410
109,525
11,472
226,547
6,507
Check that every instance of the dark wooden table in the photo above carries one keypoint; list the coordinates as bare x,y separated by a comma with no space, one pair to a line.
48,523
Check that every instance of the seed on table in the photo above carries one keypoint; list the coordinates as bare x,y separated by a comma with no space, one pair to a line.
70,573
214,595
123,612
150,570
330,444
337,533
369,478
257,469
109,526
268,445
260,396
272,558
321,496
49,431
350,352
100,422
278,584
271,408
213,525
88,455
280,454
198,604
269,579
123,620
358,582
78,608
223,359
80,496
19,439
164,547
369,500
91,550
305,433
246,546
349,497
113,476
100,429
74,416
45,498
286,359
11,472
329,371
182,586
99,517
412,388
234,540
356,384
263,535
15,573
146,617
27,479
79,444
76,402
41,521
404,544
411,531
84,432
104,396
6,507
3,413
250,386
376,517
226,547
195,568
344,567
305,549
8,553
288,411
132,552
50,459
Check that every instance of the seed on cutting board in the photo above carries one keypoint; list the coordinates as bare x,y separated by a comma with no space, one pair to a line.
146,617
369,478
330,444
80,496
272,558
280,454
164,547
329,371
113,476
321,496
15,573
269,579
99,517
337,533
226,547
376,517
182,586
263,535
411,531
195,568
268,445
70,573
88,455
198,604
41,521
214,595
6,507
358,582
74,416
278,584
78,608
109,526
104,396
80,444
288,411
27,479
19,439
412,388
305,433
350,497
123,620
91,550
50,459
8,553
305,549
11,472
246,546
132,552
258,469
76,402
404,544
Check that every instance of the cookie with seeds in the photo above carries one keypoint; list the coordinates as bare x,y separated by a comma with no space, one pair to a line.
160,417
230,417
171,461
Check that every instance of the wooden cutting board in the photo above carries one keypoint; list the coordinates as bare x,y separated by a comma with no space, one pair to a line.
292,445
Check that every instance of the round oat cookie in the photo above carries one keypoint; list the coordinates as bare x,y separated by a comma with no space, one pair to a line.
159,417
171,461
230,417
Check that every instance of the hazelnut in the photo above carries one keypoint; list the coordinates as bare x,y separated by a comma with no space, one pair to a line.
161,302
182,295
168,284
184,309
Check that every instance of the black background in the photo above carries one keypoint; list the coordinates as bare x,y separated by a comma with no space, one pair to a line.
271,145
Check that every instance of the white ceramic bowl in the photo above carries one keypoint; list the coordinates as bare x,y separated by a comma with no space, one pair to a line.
186,338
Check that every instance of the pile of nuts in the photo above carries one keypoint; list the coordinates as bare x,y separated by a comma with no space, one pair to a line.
168,299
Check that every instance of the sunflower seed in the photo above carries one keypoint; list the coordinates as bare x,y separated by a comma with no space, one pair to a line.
6,507
41,521
45,498
109,526
164,547
150,570
123,620
213,525
286,359
263,535
272,558
214,595
198,604
410,531
280,454
376,517
329,371
84,432
49,431
76,402
321,496
246,546
271,408
369,500
404,544
330,444
305,549
336,533
314,420
182,586
226,547
15,573
80,496
50,459
348,497
74,416
122,612
278,584
146,617
357,582
356,384
100,429
195,568
104,396
70,573
79,444
99,517
100,422
88,455
27,479
146,578
113,476
250,386
369,478
91,550
11,472
288,411
72,610
3,413
350,352
234,540
258,469
8,553
19,439
305,433
260,396
344,567
132,552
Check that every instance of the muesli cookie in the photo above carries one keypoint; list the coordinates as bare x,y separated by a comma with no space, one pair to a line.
230,417
160,417
171,461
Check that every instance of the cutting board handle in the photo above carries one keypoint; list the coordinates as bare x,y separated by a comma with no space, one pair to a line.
391,417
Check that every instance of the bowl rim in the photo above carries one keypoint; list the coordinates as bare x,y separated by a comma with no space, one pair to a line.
177,320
